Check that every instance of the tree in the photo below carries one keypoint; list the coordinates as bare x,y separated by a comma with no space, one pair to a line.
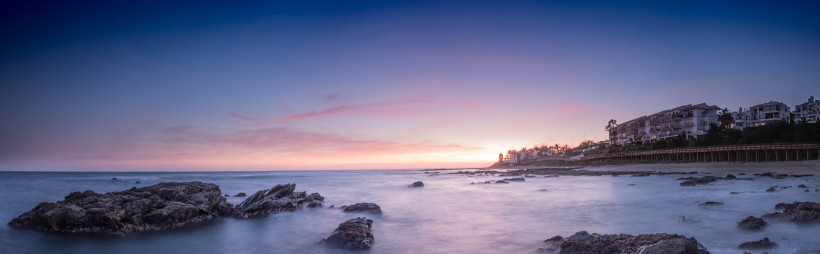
725,118
500,157
611,124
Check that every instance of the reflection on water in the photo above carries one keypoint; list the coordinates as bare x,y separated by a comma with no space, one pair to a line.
447,215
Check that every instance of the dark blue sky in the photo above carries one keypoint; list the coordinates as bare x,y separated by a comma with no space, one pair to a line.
374,84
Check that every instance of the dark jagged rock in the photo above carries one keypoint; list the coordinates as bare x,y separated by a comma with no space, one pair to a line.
114,179
277,199
314,204
770,189
751,223
362,207
583,242
800,212
552,244
761,244
692,181
241,194
514,179
157,207
710,203
501,181
137,182
417,184
226,195
354,234
734,192
730,177
802,186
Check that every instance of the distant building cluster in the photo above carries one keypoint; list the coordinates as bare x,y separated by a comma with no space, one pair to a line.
692,121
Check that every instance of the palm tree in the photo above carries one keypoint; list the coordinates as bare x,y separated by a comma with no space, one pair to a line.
725,118
611,124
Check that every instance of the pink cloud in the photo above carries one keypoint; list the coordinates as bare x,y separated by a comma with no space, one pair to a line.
567,108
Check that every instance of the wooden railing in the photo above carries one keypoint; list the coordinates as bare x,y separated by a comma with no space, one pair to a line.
733,148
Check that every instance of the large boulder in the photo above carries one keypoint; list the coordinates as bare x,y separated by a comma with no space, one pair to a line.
417,184
152,208
362,207
583,242
800,212
751,223
354,234
277,199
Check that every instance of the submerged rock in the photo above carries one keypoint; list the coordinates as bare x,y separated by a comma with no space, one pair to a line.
277,199
770,189
802,186
362,207
501,181
354,234
761,244
515,179
241,194
751,223
692,181
710,203
583,242
417,184
157,207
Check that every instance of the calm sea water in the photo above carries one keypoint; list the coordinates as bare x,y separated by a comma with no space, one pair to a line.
448,215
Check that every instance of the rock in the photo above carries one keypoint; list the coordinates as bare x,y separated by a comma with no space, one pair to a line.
802,186
280,198
552,244
226,195
417,184
515,179
692,181
114,179
241,194
363,207
631,184
710,203
157,207
761,244
684,219
501,181
137,182
583,242
354,234
675,245
770,189
543,190
751,223
314,204
742,174
801,212
730,176
734,192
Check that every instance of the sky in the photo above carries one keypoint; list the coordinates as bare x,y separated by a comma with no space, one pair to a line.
286,85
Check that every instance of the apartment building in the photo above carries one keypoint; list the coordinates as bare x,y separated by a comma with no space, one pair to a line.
807,111
688,120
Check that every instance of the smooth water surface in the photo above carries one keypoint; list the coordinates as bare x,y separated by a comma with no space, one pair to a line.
448,215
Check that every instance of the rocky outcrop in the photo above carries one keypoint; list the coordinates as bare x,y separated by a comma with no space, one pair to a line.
417,184
799,212
152,208
354,234
241,194
277,199
761,244
583,242
362,207
751,223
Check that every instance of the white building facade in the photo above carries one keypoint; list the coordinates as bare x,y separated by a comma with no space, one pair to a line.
689,121
761,114
808,111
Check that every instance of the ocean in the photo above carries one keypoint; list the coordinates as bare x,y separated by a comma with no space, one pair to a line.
447,215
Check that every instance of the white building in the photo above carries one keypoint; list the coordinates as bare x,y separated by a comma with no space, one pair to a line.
690,121
810,111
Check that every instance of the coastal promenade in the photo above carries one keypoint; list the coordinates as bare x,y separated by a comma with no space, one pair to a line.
734,153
